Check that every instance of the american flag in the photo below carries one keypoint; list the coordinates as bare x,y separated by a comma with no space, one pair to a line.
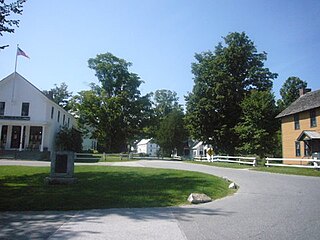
22,53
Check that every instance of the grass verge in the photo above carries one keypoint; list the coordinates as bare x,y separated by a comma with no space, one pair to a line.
281,170
289,170
223,164
22,188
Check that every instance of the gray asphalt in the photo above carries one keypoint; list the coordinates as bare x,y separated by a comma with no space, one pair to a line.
267,206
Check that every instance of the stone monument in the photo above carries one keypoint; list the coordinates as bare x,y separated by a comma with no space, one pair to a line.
62,168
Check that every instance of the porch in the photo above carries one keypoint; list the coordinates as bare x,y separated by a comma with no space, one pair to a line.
21,137
311,140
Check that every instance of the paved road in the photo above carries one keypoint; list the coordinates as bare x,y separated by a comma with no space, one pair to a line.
267,206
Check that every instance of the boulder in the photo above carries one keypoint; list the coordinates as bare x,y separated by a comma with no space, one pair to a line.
233,186
226,179
198,198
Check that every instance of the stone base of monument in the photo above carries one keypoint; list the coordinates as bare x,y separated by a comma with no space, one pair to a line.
62,168
60,180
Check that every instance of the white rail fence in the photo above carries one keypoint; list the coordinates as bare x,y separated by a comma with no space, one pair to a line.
231,159
98,156
303,163
87,156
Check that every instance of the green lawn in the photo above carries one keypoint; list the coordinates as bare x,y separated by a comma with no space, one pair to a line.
23,188
222,164
282,170
290,170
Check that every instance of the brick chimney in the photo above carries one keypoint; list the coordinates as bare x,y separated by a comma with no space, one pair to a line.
303,91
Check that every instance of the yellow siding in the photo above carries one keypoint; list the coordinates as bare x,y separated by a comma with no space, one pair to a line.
290,135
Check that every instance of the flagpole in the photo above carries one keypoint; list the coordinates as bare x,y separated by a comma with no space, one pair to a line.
15,65
14,75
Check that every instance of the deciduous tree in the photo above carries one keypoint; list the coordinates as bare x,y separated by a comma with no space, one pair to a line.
115,112
258,126
172,133
7,24
290,91
221,81
60,95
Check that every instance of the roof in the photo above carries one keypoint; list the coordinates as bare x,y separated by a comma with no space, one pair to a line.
16,75
144,141
197,145
308,135
306,102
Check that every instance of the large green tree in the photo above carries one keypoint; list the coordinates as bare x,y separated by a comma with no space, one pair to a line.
163,102
7,24
258,126
290,91
172,133
222,79
114,112
60,95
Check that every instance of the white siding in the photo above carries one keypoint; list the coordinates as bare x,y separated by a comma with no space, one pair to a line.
15,90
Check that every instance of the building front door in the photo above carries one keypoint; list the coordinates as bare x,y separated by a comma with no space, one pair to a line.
3,138
15,136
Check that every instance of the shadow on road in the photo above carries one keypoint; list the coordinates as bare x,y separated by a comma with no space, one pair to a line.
42,225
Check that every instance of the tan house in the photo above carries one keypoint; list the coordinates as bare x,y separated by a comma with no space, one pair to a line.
300,126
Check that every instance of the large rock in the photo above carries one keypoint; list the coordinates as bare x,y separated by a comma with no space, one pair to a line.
233,186
198,198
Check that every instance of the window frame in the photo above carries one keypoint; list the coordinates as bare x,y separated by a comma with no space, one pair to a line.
306,150
52,112
296,120
313,118
2,108
58,117
25,112
298,149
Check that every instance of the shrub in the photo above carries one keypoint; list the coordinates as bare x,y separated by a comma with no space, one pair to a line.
69,139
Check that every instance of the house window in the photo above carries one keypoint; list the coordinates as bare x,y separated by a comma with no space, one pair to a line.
296,121
63,119
2,106
298,151
68,122
58,119
52,112
306,150
313,119
25,109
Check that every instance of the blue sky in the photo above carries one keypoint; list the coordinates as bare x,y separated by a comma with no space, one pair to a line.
160,38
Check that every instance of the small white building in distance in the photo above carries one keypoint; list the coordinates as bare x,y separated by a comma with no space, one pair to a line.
200,150
29,120
148,147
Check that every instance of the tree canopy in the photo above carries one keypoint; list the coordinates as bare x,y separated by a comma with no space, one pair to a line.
60,95
6,23
164,102
115,112
290,91
257,128
172,134
222,79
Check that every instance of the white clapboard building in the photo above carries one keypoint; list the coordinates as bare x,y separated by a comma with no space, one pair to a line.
148,147
28,118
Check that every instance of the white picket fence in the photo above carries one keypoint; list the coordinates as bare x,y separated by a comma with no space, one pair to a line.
303,162
231,159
